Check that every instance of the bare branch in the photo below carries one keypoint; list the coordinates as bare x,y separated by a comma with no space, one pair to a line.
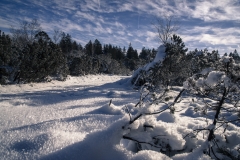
166,27
57,34
25,34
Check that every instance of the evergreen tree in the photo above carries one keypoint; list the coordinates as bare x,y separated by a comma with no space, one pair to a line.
97,47
6,58
172,66
105,48
75,46
89,48
120,54
5,49
131,53
80,47
168,71
66,43
144,54
41,59
235,56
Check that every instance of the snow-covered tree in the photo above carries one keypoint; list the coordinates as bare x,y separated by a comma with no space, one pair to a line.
168,66
219,90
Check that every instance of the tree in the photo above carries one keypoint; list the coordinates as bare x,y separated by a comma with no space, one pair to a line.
131,53
41,59
199,60
25,33
66,43
168,71
89,48
172,66
235,55
166,27
145,54
5,49
97,47
6,58
57,34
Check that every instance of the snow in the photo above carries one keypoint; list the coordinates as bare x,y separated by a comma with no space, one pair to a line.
158,58
160,54
75,120
166,117
226,59
214,77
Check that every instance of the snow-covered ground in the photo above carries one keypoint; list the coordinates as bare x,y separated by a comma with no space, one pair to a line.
73,120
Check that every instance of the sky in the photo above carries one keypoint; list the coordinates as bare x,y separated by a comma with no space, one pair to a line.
211,24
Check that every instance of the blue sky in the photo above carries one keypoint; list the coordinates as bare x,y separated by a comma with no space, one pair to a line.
212,24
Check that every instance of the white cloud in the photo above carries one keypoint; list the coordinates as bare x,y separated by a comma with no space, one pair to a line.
86,16
151,36
212,35
94,18
217,10
7,23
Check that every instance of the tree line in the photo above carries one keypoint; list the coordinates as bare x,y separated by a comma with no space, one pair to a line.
28,54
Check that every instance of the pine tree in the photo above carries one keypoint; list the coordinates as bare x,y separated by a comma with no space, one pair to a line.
235,56
97,47
144,54
131,53
6,57
89,48
172,66
66,43
41,59
5,49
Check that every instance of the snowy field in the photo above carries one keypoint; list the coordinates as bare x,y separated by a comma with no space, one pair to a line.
72,120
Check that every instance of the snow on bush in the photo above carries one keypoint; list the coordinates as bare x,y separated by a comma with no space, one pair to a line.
150,155
220,96
157,60
213,78
157,135
166,117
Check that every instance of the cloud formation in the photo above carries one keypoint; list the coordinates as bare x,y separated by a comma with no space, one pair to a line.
211,24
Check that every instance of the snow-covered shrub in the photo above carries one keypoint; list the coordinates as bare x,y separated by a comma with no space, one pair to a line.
215,94
167,68
144,132
220,91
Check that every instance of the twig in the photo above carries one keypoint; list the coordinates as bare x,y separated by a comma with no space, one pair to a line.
130,138
110,102
128,112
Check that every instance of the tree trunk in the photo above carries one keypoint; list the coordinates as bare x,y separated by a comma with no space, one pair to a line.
211,133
